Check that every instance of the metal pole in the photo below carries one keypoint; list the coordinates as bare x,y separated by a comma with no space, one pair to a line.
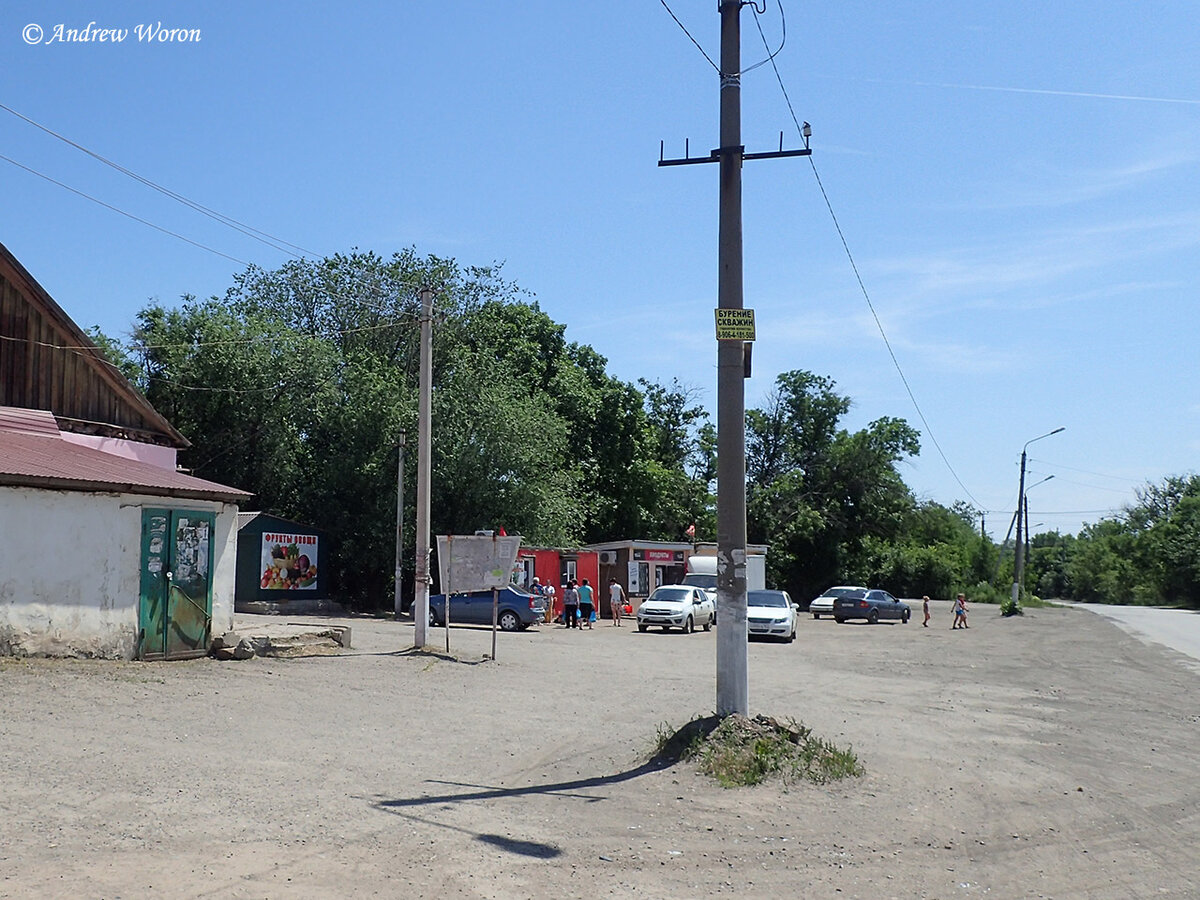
1020,548
424,449
495,610
732,676
1018,568
400,527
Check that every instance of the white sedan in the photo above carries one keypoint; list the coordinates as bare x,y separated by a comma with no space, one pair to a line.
677,606
771,614
824,603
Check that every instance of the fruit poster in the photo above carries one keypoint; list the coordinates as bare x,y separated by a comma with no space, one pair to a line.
289,562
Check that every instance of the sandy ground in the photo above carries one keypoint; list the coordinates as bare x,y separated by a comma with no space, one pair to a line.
1051,756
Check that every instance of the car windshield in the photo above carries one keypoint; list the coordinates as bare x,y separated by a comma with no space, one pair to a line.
846,593
708,582
767,598
672,594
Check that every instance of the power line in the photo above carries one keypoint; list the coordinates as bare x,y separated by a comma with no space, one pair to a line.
122,212
858,276
716,68
1086,472
770,55
248,230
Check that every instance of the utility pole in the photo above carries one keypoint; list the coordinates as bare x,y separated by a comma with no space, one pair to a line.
1022,513
399,525
1020,547
424,467
732,654
733,680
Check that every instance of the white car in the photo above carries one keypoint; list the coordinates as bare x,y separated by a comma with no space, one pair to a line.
677,606
771,614
824,603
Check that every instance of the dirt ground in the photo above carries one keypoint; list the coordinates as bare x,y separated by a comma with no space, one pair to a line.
1046,756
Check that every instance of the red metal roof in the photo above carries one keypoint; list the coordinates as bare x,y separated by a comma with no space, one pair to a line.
47,461
28,421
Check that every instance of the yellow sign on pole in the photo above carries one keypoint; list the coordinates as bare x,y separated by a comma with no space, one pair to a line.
735,324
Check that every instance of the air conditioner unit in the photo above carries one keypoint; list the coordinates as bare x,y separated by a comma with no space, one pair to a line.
608,557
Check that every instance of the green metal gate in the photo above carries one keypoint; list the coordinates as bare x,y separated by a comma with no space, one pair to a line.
175,607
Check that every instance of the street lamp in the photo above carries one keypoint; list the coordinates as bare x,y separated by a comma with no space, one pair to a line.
1020,548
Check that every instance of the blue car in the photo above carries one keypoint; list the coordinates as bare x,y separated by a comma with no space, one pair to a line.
869,604
517,610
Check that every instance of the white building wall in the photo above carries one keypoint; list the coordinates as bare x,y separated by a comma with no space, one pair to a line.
69,570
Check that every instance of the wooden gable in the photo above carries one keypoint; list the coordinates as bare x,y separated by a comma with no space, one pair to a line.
86,394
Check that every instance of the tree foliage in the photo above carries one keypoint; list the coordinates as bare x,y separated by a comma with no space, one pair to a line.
298,383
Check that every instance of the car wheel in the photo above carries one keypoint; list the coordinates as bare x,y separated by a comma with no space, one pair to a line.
509,621
792,636
642,627
873,618
433,619
838,619
688,627
905,618
709,624
816,615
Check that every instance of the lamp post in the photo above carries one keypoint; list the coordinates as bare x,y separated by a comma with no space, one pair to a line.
1020,548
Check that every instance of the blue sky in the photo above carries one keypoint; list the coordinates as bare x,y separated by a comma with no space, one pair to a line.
1017,183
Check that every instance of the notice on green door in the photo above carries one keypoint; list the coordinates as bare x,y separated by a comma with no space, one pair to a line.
735,324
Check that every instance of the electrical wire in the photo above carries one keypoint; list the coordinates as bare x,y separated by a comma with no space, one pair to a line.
1086,472
690,38
770,56
783,40
122,212
862,286
248,230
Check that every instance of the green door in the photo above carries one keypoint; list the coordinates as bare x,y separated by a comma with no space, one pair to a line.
175,608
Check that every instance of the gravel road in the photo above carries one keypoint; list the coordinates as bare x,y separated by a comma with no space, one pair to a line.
1047,756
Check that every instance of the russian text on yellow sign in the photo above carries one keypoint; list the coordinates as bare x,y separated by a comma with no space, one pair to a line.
735,324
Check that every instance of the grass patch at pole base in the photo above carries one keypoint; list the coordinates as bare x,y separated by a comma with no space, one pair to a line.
739,751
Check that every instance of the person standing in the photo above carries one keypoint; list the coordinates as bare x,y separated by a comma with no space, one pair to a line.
616,600
538,590
587,603
570,605
960,612
550,598
925,603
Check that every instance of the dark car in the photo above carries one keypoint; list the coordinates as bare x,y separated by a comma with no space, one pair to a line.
517,610
871,605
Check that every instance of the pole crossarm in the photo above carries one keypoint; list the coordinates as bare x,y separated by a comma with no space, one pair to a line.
715,155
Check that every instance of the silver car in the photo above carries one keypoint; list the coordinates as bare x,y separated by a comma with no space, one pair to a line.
677,606
823,605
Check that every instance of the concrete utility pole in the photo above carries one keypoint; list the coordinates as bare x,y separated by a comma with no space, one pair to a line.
399,524
733,681
1022,513
732,370
424,467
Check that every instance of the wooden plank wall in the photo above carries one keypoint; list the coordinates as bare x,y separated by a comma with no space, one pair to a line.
66,382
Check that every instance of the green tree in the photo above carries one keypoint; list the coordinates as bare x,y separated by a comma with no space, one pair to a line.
825,499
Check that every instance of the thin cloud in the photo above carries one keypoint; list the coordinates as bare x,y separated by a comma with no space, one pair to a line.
1091,95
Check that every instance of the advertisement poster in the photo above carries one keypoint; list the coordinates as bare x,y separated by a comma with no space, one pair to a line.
289,562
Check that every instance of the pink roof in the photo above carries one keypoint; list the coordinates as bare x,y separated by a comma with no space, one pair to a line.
34,457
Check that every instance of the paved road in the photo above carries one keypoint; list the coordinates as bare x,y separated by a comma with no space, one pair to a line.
1178,629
